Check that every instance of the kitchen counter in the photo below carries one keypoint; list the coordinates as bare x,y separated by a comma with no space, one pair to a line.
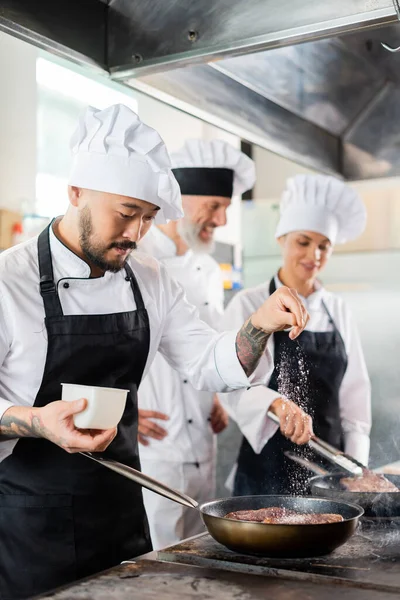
152,580
365,568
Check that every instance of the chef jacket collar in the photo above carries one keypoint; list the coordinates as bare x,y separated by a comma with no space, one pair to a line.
67,264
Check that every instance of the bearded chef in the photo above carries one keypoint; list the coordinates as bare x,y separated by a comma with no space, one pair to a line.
323,376
78,307
177,423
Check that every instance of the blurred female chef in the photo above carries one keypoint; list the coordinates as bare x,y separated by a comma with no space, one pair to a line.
323,375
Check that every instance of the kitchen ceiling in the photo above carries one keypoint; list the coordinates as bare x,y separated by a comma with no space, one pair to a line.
273,71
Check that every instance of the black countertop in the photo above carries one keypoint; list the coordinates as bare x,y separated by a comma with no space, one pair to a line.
367,567
152,580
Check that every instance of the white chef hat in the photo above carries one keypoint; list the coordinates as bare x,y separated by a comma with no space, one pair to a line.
322,204
113,151
212,168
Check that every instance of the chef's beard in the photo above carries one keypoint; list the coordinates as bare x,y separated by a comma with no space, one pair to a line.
189,232
95,250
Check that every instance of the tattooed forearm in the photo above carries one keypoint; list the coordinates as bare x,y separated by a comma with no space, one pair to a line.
18,422
250,346
21,421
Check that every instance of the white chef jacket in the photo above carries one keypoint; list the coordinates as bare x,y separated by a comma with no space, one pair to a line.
190,438
204,357
249,407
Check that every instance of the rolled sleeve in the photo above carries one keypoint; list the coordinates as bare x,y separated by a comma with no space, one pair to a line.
5,343
357,445
231,371
205,357
4,405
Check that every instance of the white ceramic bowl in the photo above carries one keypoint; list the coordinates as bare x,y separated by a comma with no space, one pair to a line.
105,406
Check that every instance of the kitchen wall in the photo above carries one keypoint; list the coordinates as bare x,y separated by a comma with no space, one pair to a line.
17,121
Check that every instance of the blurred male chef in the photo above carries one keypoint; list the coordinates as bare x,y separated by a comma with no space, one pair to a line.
182,451
77,306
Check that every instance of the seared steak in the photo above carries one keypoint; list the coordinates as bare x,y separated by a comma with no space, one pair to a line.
305,519
283,516
258,516
369,482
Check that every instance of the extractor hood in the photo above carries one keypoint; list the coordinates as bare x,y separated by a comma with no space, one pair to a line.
309,80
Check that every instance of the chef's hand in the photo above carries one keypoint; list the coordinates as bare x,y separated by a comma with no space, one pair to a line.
282,310
295,424
148,428
55,422
219,417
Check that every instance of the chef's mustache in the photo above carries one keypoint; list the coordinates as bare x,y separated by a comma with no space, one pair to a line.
123,245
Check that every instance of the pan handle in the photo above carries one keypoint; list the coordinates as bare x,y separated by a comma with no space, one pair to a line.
144,480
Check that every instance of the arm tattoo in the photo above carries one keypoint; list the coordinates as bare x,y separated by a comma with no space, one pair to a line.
19,422
250,345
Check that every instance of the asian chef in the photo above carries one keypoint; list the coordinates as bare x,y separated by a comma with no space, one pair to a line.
78,305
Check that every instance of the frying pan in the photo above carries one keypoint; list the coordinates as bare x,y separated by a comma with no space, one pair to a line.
376,505
259,538
381,505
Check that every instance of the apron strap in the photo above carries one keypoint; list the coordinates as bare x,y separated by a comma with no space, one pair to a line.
331,321
135,288
272,286
48,290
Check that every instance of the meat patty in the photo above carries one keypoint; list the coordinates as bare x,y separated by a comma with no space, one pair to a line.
274,515
369,482
305,519
258,516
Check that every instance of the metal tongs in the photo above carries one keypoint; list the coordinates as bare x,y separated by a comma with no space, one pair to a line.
307,463
335,456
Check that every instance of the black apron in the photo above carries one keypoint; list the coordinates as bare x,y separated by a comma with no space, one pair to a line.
312,370
62,516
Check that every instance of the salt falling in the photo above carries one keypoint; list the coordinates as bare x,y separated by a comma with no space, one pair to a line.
293,383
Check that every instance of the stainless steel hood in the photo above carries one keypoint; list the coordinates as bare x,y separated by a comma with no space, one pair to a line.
329,102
